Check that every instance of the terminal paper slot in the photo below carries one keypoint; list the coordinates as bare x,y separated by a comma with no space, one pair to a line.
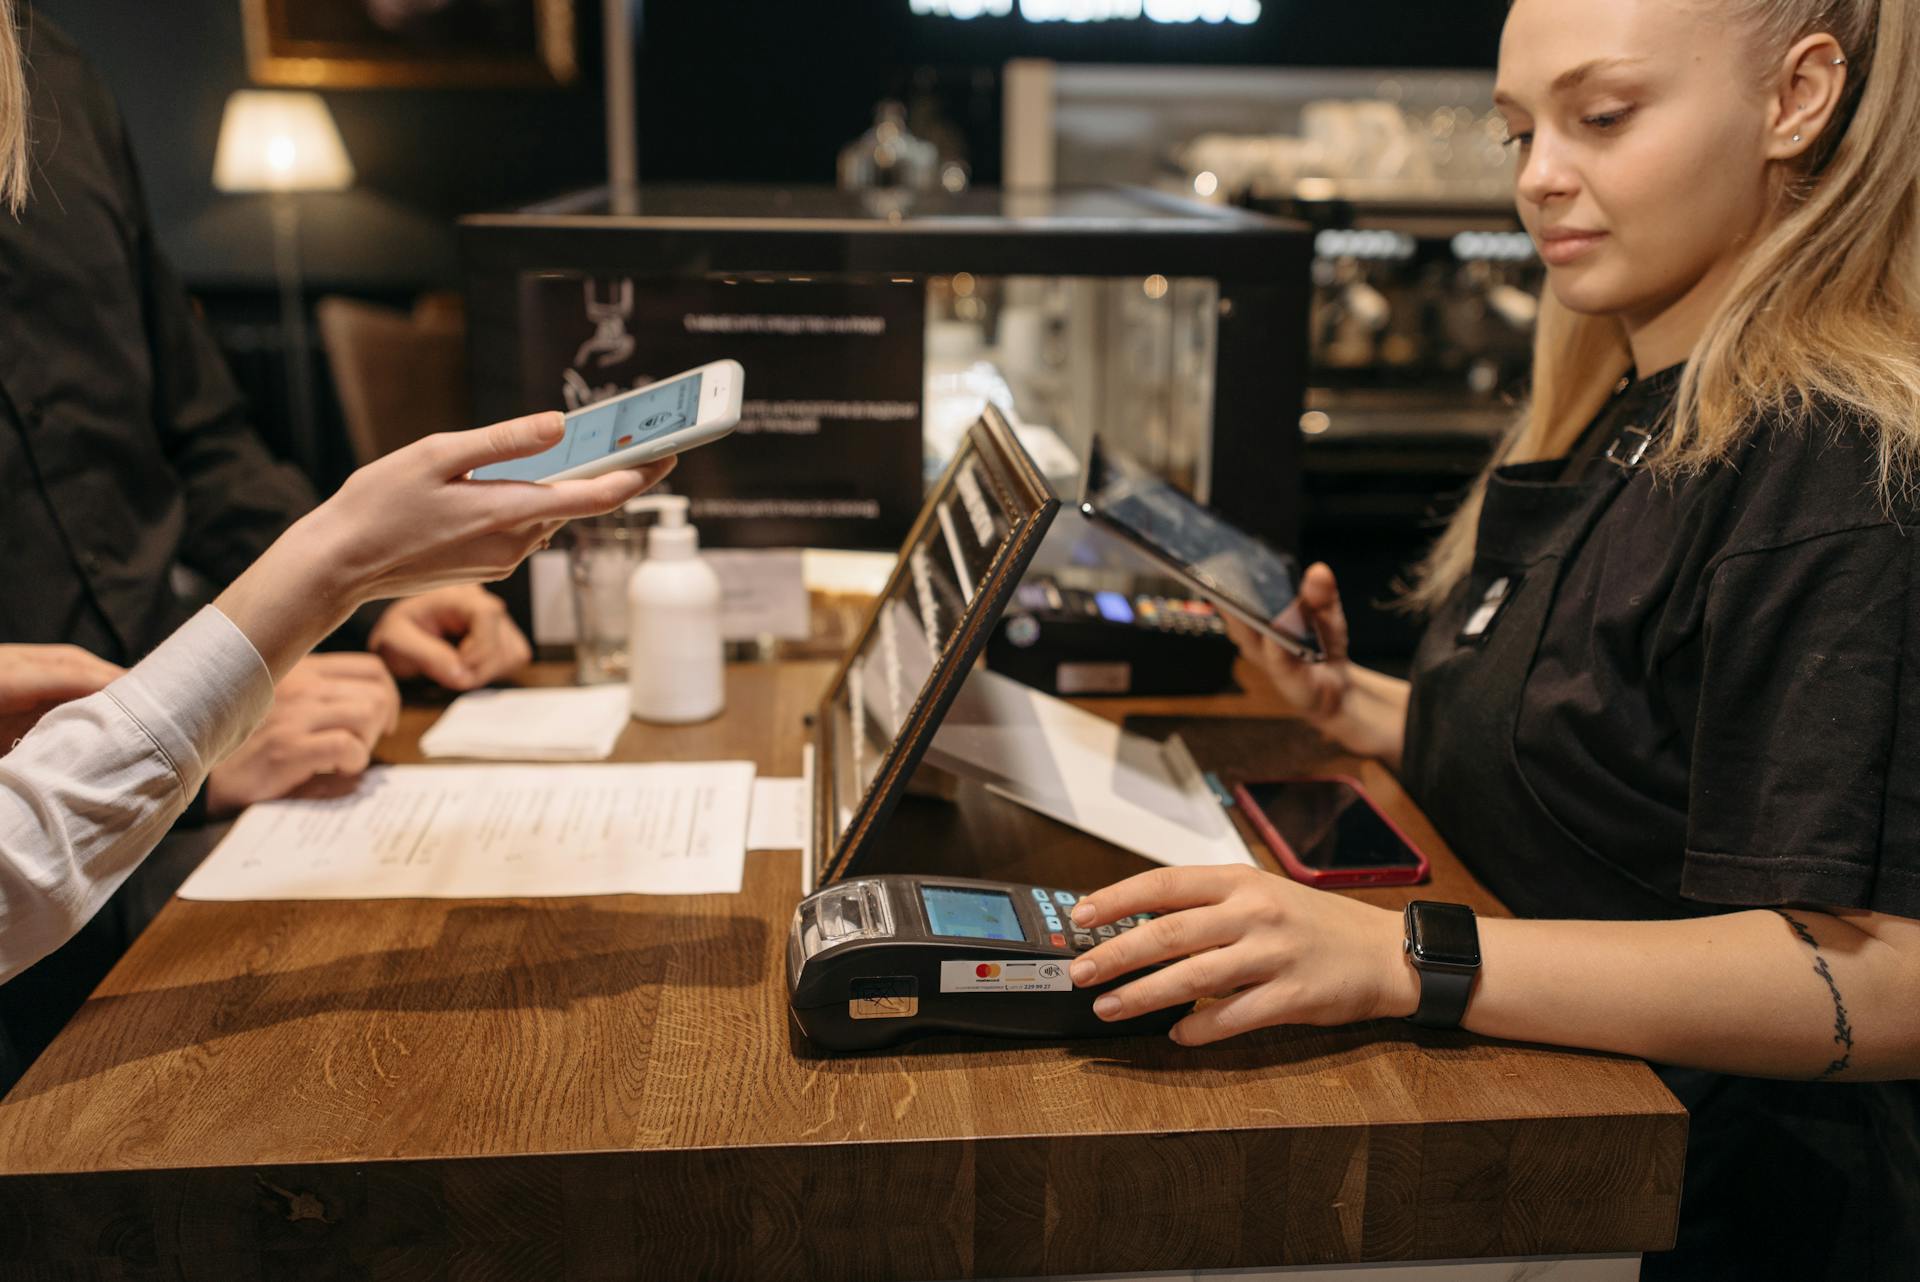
972,541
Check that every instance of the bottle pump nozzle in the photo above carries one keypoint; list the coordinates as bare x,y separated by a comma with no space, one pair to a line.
672,538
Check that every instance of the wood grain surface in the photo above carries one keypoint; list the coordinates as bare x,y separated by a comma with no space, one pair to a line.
606,1088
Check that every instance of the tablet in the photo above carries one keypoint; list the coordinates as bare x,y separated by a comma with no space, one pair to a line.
1255,583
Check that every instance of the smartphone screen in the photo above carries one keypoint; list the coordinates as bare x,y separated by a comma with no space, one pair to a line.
1330,826
608,428
1260,581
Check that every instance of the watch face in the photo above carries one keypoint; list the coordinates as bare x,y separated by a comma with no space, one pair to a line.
1445,934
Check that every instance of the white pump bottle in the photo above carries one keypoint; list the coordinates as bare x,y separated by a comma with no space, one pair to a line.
676,659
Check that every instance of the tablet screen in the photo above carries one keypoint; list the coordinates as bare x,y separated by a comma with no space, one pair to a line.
1228,565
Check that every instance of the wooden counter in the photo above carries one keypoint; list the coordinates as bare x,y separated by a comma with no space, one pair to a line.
605,1088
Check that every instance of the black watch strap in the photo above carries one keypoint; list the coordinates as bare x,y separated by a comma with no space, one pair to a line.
1443,998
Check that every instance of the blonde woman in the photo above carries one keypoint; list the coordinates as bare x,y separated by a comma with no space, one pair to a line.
1668,703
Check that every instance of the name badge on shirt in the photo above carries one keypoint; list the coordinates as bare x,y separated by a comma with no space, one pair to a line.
1492,603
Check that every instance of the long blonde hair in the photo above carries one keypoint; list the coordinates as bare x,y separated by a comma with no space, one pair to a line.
1825,306
14,156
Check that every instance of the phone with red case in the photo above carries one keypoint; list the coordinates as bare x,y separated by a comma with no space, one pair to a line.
1326,831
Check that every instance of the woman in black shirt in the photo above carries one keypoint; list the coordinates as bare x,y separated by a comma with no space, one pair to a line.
1667,707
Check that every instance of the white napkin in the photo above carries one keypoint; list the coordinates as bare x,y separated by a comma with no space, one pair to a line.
560,724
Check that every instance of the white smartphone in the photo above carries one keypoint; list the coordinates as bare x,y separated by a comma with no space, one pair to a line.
648,423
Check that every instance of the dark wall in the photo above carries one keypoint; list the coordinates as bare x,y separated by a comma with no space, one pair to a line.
771,89
740,90
423,157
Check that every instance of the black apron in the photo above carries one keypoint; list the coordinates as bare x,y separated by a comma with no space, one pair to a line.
1469,676
1784,1180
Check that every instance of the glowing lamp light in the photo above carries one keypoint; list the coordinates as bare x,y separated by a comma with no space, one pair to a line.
279,141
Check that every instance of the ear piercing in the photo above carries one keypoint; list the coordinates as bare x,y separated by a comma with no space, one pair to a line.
1796,137
1838,62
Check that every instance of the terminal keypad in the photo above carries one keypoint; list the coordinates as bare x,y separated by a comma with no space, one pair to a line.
1056,911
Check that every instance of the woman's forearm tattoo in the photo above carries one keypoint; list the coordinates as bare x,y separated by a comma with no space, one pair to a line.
1842,1029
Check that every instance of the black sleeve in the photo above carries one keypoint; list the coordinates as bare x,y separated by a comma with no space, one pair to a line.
1806,754
239,498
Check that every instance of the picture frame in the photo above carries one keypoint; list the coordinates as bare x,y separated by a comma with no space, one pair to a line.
985,518
445,44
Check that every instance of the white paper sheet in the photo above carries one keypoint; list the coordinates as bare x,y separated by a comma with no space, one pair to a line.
763,592
567,723
494,832
1085,771
782,813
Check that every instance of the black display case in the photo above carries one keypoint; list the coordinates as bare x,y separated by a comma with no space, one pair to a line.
1175,328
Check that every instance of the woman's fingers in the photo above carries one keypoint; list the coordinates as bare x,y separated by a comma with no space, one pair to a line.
1241,1012
457,453
1163,890
1320,601
1210,974
571,500
1178,934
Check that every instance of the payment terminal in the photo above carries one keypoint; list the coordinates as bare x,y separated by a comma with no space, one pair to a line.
877,960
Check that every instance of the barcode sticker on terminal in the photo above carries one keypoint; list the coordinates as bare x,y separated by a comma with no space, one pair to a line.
884,997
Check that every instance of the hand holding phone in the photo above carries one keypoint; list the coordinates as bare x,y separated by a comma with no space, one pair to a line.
1327,832
641,426
1317,688
1248,581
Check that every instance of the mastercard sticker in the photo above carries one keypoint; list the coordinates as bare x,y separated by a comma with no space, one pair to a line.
1041,975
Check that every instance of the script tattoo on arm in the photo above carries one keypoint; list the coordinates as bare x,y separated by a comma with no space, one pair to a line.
1842,1029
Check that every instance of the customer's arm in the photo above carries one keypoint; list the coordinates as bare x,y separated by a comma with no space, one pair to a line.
88,793
98,782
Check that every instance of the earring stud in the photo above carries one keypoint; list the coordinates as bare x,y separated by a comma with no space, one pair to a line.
1838,62
1796,137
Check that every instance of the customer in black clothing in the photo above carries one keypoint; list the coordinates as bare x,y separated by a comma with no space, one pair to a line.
128,463
1667,706
126,452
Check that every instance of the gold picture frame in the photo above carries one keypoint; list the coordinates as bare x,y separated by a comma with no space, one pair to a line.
414,44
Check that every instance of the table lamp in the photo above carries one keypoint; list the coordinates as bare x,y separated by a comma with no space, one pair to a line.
282,143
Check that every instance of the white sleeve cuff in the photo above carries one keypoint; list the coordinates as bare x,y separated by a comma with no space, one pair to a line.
199,694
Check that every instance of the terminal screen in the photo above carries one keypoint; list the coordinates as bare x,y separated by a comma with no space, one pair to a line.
971,914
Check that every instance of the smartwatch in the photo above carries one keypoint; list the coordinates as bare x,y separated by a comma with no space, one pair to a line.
1443,943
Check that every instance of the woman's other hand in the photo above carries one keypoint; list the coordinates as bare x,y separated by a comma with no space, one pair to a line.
35,679
1363,711
1317,690
1270,950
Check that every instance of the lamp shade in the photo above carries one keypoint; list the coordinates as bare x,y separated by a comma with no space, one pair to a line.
280,141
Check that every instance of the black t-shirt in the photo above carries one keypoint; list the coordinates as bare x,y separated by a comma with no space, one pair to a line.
1725,703
1724,706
